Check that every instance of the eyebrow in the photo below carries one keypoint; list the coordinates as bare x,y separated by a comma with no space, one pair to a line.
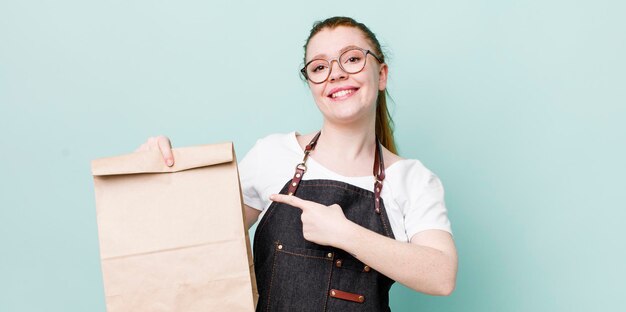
324,56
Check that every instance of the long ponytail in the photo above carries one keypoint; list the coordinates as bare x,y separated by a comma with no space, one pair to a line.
384,123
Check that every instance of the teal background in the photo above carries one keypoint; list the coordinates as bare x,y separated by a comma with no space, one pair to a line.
518,106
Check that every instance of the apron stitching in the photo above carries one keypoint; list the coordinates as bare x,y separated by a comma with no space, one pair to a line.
383,215
307,256
384,225
330,278
339,187
269,290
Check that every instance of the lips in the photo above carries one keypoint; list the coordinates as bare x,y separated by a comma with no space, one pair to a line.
342,92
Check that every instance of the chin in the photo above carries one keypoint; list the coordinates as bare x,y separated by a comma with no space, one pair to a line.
344,111
344,116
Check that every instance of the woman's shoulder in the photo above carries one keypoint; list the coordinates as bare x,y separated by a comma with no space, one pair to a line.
391,158
409,172
409,166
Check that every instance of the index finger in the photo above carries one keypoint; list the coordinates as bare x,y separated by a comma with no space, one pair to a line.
166,150
292,201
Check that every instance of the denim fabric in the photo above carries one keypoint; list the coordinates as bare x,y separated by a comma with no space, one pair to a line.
294,274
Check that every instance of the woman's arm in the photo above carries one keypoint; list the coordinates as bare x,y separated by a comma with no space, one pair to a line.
428,264
251,216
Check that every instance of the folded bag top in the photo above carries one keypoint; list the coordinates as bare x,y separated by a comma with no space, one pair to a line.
185,158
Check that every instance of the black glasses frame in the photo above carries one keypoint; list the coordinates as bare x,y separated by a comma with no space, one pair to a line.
330,64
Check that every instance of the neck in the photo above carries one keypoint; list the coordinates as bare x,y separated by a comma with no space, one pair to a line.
348,141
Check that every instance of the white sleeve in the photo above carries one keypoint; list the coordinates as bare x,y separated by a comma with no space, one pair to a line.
249,177
427,209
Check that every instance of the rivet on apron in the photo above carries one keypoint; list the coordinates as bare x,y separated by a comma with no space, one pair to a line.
338,263
280,246
366,268
332,292
330,255
361,298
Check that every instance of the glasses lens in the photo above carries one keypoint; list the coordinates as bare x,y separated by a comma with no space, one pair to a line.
352,61
317,70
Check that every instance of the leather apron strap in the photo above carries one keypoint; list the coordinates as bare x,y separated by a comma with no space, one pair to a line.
378,170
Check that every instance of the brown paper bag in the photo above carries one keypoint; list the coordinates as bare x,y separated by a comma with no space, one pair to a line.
173,238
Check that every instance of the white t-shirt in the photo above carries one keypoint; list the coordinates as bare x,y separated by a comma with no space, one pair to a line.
413,196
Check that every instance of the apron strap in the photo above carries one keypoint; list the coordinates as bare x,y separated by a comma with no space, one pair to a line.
378,170
301,167
379,175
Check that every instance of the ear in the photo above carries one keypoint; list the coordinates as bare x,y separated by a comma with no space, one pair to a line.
382,77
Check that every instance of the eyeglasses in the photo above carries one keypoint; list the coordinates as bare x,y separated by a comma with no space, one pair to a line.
351,61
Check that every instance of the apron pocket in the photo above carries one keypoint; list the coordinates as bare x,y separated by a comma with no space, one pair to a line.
307,292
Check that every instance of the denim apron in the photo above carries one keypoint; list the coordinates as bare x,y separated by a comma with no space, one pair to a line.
294,274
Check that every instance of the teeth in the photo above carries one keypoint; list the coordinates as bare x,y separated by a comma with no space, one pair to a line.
341,93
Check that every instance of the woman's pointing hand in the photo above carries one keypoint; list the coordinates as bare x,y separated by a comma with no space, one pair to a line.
321,224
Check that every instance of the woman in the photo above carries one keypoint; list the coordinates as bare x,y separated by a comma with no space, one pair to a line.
334,239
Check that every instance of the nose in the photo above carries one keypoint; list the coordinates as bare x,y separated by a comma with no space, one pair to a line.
336,73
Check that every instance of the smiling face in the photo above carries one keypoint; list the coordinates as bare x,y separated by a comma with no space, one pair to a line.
345,98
